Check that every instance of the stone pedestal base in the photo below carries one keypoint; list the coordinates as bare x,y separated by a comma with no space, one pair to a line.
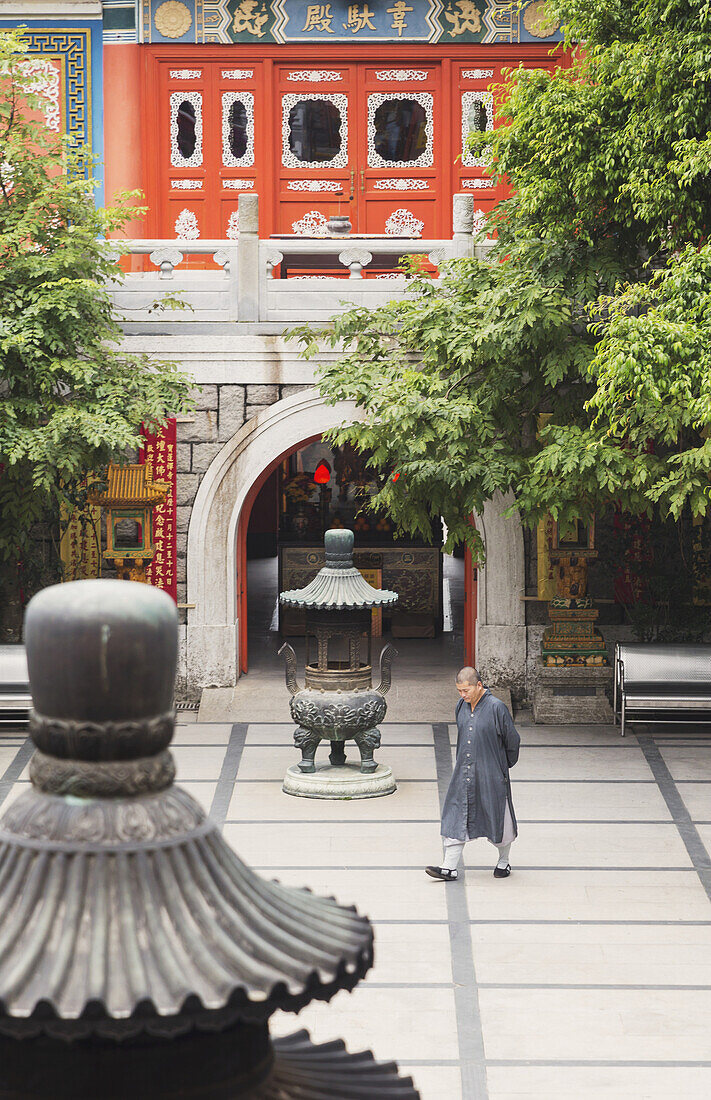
343,781
574,695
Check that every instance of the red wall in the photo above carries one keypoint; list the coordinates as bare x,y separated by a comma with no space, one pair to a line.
123,127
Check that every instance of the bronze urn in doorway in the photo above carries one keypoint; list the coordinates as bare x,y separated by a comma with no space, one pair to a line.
338,702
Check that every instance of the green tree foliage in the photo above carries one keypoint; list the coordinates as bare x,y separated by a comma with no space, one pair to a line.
570,364
71,400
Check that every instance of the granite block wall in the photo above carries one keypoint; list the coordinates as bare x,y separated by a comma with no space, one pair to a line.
220,411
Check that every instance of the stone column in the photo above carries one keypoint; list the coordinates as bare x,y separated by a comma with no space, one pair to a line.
463,224
501,620
248,266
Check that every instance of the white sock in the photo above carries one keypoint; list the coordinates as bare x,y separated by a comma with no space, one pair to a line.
452,853
504,850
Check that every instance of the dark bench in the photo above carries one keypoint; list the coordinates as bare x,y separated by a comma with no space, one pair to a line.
662,683
15,698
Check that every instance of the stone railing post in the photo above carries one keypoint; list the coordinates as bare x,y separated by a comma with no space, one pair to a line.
166,259
248,263
463,224
355,259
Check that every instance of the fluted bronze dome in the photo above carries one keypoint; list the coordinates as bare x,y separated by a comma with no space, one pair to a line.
339,585
140,958
123,908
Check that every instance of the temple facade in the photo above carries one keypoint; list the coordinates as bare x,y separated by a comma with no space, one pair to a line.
258,131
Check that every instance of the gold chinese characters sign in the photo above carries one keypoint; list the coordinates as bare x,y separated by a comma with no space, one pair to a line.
80,543
159,455
271,21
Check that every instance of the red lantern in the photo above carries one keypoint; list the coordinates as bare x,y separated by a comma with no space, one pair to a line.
322,474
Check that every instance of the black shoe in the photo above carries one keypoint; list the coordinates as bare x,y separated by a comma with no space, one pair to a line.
442,873
502,872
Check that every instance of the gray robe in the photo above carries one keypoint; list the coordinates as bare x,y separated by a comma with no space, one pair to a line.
487,746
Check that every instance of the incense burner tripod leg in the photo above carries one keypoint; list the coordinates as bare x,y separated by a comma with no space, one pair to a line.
308,742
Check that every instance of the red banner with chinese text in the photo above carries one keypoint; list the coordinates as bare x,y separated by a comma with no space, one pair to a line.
159,454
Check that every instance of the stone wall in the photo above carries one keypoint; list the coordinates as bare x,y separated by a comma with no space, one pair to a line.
220,411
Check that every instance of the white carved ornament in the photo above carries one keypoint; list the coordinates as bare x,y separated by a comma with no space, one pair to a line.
237,74
247,101
401,75
186,185
478,220
233,225
403,223
185,74
176,157
313,224
477,185
468,101
316,76
426,158
45,83
476,74
166,259
7,175
400,185
314,185
237,184
186,226
287,157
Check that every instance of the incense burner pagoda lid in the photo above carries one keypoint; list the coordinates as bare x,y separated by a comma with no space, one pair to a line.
123,908
339,584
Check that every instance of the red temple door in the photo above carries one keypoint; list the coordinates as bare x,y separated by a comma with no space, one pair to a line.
315,146
208,150
363,140
402,150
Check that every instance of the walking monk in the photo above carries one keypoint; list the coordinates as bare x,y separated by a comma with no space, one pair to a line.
478,801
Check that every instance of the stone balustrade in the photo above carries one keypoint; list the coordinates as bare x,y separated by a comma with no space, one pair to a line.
279,280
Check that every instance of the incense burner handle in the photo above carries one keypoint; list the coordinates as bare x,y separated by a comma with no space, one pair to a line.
386,658
290,658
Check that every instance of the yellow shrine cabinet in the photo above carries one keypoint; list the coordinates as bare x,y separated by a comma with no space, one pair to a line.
129,501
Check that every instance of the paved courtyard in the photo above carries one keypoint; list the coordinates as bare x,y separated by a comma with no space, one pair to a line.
585,974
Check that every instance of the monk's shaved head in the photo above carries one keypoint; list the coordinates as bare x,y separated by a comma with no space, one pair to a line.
468,675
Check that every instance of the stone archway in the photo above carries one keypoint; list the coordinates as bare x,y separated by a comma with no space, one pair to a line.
211,638
501,612
211,642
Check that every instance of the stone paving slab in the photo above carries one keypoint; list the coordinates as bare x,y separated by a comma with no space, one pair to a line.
590,801
603,1024
194,734
596,895
412,801
606,954
591,845
697,799
687,762
592,1082
585,974
416,1026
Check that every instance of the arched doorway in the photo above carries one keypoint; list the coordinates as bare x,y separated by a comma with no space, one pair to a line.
242,558
280,546
216,559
